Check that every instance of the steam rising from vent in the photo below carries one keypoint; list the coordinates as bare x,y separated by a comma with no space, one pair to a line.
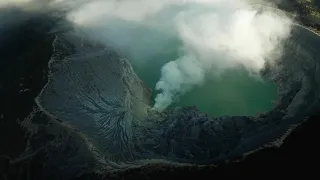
214,35
12,2
6,3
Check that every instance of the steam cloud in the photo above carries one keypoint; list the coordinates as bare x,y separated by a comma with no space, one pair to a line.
215,35
12,2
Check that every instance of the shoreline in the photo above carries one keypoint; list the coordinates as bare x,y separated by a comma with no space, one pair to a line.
295,22
315,31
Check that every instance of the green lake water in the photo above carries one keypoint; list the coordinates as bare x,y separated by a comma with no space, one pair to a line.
234,93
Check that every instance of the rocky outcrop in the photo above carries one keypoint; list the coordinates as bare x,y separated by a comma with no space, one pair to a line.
307,12
96,91
93,112
33,145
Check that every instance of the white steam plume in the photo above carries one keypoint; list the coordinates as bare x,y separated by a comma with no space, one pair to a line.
215,35
12,2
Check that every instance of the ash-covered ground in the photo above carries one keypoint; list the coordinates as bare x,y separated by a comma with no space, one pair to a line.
72,108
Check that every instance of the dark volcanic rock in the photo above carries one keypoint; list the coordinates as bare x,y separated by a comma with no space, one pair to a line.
307,11
296,156
32,145
90,119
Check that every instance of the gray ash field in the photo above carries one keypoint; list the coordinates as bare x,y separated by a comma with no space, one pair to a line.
97,92
73,105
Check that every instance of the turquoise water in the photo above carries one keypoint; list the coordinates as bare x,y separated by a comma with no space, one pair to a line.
235,92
